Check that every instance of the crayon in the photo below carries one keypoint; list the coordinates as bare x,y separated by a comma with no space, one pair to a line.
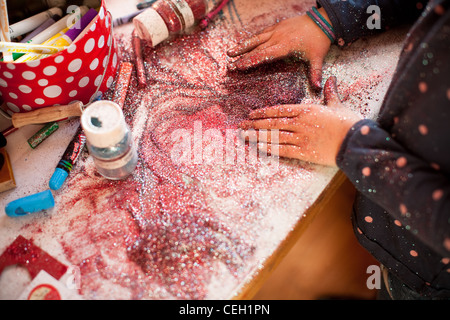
126,19
42,134
31,23
145,4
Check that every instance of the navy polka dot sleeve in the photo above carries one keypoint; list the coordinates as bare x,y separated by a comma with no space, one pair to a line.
400,163
352,20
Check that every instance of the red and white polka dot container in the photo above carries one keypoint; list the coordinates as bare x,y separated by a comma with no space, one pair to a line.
81,72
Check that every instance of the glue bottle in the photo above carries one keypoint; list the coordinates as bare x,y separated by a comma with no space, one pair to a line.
109,140
169,17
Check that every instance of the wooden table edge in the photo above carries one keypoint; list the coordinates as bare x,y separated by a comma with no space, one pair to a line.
251,287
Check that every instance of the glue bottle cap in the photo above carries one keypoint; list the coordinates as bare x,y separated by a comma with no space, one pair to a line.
151,27
103,124
34,203
57,179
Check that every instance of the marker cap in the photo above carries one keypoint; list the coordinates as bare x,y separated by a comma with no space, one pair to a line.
34,203
57,179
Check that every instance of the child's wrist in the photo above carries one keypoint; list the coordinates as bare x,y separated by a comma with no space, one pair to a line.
320,18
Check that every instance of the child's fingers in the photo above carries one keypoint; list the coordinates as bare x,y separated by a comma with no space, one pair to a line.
315,74
249,44
287,124
281,150
269,136
257,57
331,95
280,111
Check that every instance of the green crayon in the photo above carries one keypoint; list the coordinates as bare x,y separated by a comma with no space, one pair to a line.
43,134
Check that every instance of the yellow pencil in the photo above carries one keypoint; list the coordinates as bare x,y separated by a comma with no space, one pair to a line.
5,36
34,56
28,47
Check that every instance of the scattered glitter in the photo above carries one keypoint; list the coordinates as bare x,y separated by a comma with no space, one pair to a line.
194,230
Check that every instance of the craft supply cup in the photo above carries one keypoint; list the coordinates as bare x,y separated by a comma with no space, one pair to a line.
83,71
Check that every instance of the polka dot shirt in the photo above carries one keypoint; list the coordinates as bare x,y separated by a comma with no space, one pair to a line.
400,164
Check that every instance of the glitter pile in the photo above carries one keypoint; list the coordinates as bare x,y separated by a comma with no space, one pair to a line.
164,216
184,229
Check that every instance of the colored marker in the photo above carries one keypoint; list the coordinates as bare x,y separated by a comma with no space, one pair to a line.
58,29
31,35
68,160
31,23
60,25
75,30
5,36
39,29
30,204
67,39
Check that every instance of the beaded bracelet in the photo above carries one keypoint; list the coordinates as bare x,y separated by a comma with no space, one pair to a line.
323,24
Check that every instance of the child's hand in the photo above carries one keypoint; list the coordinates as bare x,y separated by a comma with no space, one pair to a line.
308,132
299,37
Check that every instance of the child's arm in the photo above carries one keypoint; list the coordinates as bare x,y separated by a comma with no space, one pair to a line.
352,20
301,37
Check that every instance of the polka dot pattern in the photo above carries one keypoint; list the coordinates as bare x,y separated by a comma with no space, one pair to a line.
366,171
365,130
74,74
423,129
401,162
403,209
437,194
423,87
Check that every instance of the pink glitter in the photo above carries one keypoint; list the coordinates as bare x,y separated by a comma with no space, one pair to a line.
162,232
161,217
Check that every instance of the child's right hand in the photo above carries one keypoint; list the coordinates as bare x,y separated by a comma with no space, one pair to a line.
299,37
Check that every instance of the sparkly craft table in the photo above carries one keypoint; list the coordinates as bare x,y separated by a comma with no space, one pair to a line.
227,227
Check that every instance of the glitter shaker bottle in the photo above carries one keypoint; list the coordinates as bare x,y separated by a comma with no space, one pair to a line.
109,140
168,17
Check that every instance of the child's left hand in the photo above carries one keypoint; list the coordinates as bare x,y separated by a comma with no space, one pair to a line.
308,132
